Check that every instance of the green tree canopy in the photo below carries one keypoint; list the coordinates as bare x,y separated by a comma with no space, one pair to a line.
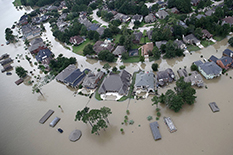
20,71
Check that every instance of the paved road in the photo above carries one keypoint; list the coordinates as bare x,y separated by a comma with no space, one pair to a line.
98,19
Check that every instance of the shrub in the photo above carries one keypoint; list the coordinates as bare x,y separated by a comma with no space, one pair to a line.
154,66
230,41
122,130
122,67
131,122
127,111
157,109
126,117
125,121
157,118
194,67
149,118
158,114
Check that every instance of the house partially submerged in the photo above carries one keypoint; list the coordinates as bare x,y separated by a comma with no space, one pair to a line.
213,58
146,48
166,76
209,70
169,123
4,56
228,53
137,37
30,32
23,20
75,78
154,126
103,45
76,40
6,61
214,107
206,34
145,82
119,50
195,79
180,44
161,14
91,80
191,39
116,83
65,73
37,44
150,18
44,56
225,62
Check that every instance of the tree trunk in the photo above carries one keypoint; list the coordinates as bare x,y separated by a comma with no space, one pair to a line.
90,124
107,120
40,93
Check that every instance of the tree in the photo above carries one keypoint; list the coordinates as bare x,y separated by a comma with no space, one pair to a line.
105,111
142,58
156,53
122,40
185,91
128,42
106,66
114,69
194,67
230,41
155,101
88,50
105,55
107,33
154,67
20,71
36,89
198,33
9,35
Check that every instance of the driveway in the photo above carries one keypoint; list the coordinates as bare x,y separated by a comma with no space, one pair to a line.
98,19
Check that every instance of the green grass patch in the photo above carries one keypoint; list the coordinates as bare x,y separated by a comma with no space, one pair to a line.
17,3
150,25
130,95
144,40
142,24
206,43
79,49
193,48
131,59
117,37
135,46
94,21
123,98
219,38
104,26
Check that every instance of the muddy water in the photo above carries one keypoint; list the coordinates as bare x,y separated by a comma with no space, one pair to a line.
199,130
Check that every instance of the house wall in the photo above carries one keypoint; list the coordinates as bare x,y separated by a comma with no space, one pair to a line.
208,76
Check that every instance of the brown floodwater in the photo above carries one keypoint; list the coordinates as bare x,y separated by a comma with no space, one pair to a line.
200,131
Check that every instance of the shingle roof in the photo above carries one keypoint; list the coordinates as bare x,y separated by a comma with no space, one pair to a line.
213,58
100,30
227,52
65,73
116,83
210,68
160,43
150,18
35,44
145,80
91,80
138,36
226,60
43,54
119,50
198,63
162,14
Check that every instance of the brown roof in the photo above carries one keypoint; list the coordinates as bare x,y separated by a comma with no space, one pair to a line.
147,47
206,34
76,40
228,20
101,45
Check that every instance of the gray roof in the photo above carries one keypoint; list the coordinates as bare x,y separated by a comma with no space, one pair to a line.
138,36
100,30
146,80
101,45
179,42
213,58
137,17
226,60
160,43
149,34
150,18
154,126
198,63
211,68
209,12
65,73
116,83
161,14
181,23
200,16
43,54
35,44
182,72
174,9
227,52
119,50
91,80
191,38
165,76
195,79
75,78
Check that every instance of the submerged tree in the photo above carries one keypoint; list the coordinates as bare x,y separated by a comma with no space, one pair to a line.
36,89
20,71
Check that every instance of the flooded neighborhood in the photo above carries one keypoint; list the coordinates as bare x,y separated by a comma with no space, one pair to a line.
42,121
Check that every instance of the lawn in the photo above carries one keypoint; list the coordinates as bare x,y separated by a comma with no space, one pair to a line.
135,46
117,37
144,40
123,98
17,3
94,21
193,48
206,43
218,38
79,49
131,59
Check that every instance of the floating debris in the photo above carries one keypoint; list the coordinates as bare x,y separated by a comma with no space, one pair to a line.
170,124
214,107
